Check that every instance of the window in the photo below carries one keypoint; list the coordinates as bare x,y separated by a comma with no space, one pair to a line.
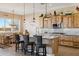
5,24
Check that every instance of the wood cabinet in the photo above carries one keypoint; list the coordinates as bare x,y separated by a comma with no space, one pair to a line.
41,22
55,46
66,20
45,22
72,41
56,19
69,21
76,20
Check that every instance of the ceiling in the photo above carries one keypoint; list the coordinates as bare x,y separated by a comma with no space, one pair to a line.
39,7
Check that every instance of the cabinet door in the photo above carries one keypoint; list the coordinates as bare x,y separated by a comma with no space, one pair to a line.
47,23
41,22
65,21
68,21
76,20
54,21
59,19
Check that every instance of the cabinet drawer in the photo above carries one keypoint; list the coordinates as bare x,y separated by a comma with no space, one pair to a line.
66,43
76,44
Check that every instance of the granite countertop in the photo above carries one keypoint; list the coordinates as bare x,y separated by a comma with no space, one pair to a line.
64,31
50,36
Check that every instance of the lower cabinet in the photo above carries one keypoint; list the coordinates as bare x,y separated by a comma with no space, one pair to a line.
70,41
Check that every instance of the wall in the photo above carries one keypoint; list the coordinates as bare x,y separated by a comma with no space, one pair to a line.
30,25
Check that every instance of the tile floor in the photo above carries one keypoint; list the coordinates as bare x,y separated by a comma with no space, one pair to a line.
10,51
63,51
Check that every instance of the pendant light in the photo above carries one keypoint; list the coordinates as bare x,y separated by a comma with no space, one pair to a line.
45,11
24,11
13,25
46,15
33,12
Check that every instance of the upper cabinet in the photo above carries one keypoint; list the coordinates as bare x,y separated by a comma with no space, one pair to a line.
45,22
66,21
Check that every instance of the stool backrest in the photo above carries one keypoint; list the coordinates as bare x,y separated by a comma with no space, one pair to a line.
17,38
39,40
26,38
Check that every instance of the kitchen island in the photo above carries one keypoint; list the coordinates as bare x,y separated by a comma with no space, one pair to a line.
69,39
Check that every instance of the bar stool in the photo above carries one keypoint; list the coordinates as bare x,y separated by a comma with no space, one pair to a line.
40,45
27,44
18,42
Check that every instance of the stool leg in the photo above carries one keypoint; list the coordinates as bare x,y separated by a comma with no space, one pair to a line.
16,47
24,52
25,49
22,46
32,49
45,51
37,51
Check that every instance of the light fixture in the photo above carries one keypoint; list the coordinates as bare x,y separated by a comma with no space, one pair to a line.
45,11
46,15
13,25
24,11
33,12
